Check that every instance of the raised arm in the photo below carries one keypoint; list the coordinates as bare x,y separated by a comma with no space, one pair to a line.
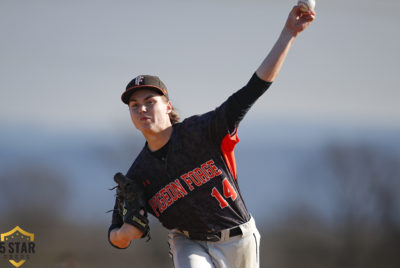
296,22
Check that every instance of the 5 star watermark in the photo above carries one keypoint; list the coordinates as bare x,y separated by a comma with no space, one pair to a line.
17,245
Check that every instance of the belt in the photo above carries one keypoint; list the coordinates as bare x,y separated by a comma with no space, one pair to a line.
212,236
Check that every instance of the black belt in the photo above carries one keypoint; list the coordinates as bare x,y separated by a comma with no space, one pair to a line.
212,236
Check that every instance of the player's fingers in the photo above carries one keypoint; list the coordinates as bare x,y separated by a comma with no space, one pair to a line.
295,11
308,18
307,15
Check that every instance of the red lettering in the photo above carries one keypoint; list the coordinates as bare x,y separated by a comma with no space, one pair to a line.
174,190
161,202
201,175
153,205
166,196
214,168
187,181
178,188
222,202
208,171
229,191
194,178
171,192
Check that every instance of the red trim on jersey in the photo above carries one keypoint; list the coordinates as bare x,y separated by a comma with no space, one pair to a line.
227,145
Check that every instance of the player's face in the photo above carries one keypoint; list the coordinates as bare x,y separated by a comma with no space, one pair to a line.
149,111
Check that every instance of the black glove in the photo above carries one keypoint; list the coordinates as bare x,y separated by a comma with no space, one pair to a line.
132,203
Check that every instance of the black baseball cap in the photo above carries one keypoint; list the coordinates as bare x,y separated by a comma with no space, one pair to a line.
144,82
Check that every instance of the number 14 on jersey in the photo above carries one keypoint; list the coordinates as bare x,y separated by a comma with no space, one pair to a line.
229,192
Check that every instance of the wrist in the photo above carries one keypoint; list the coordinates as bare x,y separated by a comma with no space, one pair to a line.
288,34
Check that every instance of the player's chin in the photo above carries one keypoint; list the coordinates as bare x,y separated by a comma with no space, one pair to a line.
146,127
141,126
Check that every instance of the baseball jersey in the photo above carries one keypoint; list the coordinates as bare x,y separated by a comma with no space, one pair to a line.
192,185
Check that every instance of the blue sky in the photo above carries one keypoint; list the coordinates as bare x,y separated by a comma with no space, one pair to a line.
65,63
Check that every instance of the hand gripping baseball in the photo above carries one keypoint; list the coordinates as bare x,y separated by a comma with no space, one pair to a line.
132,204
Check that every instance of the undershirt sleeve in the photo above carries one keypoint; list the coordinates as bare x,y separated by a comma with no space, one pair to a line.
228,116
241,101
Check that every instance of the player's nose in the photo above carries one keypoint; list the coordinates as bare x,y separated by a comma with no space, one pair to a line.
142,109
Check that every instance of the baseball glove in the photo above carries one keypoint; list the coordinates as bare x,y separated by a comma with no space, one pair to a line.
131,203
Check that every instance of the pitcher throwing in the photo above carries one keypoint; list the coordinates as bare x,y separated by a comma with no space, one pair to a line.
186,171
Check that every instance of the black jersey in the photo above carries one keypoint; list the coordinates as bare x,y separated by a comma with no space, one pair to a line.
194,187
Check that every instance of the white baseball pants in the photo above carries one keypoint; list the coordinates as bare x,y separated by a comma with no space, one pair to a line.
240,251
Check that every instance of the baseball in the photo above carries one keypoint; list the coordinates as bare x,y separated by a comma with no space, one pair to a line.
306,5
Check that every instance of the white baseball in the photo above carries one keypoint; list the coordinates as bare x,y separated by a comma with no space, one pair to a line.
306,5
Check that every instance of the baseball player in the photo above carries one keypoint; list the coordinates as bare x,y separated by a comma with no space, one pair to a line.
186,175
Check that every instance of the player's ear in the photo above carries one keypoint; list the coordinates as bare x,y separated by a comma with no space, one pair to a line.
169,107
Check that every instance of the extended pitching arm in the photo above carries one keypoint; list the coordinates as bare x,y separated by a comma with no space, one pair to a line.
296,22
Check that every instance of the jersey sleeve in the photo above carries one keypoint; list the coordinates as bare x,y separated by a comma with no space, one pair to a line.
226,118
